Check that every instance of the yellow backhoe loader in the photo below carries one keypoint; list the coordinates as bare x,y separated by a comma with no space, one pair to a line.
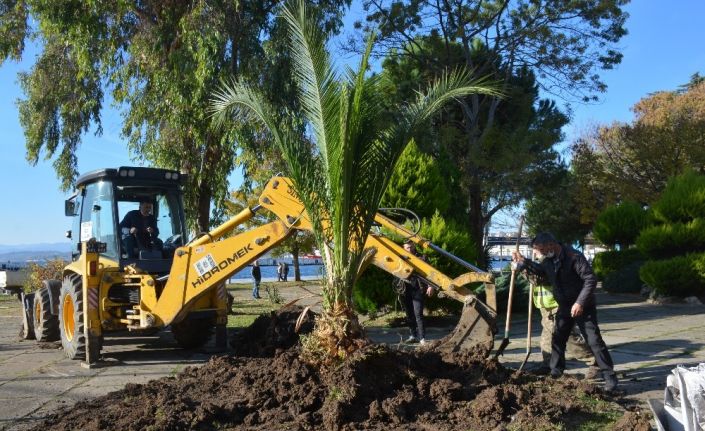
119,282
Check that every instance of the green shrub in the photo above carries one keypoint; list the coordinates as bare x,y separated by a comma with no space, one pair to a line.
625,280
451,237
520,301
608,262
372,290
668,240
679,276
620,224
682,200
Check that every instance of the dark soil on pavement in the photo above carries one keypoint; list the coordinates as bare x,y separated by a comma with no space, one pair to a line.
267,387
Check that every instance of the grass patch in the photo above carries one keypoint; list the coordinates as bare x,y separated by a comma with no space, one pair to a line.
247,311
392,319
8,298
599,415
280,284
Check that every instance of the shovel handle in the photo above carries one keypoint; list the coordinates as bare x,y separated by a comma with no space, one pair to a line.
528,328
512,280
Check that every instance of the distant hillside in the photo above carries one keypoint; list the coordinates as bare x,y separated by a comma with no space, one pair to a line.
42,251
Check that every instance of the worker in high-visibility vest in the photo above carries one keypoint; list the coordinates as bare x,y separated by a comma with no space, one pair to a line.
547,305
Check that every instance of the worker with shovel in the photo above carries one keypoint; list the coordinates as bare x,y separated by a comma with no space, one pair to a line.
573,283
577,347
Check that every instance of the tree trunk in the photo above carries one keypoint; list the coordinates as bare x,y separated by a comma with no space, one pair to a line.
337,333
204,207
295,254
477,224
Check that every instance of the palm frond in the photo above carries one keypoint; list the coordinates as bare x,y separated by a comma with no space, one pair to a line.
315,76
235,99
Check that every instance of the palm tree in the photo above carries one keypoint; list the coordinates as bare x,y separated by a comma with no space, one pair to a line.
341,170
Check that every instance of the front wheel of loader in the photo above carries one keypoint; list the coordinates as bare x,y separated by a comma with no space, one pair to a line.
71,321
46,323
192,333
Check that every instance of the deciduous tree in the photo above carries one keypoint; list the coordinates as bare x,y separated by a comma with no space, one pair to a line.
635,160
562,44
158,61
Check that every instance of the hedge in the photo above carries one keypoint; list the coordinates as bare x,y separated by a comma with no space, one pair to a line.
679,276
372,290
626,280
620,224
682,200
608,262
669,240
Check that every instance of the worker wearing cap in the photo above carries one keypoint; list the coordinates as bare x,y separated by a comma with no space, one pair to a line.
573,283
543,300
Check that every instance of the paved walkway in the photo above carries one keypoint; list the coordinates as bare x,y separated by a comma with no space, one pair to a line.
646,342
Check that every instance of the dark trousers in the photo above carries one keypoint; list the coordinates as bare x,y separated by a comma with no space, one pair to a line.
131,245
413,299
587,324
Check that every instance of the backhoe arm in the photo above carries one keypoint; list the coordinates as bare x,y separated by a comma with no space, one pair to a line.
207,262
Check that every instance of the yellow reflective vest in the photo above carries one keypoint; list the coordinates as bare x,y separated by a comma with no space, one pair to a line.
543,297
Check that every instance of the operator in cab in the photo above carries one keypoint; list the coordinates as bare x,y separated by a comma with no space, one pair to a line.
139,230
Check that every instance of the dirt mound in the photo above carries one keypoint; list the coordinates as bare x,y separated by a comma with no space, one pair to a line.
271,333
377,389
632,421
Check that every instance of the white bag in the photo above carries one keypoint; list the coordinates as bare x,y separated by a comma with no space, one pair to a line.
685,394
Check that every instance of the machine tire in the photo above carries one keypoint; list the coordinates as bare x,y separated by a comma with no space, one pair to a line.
46,323
71,322
27,331
192,333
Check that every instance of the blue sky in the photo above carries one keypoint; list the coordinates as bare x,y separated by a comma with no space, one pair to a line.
663,49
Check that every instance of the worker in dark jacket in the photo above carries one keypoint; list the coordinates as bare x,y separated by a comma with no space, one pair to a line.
139,230
573,282
413,292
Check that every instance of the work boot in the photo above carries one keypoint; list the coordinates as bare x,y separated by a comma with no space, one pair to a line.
556,373
422,341
593,372
540,370
610,381
411,339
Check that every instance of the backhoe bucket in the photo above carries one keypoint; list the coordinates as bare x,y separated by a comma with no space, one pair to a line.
474,332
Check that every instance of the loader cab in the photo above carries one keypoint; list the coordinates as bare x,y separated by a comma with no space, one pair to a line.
105,197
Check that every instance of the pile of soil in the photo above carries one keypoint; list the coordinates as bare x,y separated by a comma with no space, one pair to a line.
377,389
272,333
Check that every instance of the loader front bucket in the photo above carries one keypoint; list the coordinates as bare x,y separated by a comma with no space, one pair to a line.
475,330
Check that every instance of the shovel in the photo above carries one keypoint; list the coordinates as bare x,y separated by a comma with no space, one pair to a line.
512,279
528,330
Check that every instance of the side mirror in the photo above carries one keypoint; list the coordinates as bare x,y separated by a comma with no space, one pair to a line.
68,234
70,208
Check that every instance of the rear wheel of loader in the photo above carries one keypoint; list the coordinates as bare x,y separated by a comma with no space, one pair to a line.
46,324
27,332
192,333
71,322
